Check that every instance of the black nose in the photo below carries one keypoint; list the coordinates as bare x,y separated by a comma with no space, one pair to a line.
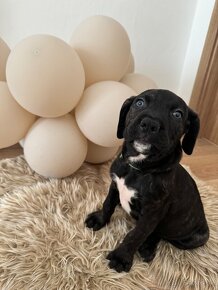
149,125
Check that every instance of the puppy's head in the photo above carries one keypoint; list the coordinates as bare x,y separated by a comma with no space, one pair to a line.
154,122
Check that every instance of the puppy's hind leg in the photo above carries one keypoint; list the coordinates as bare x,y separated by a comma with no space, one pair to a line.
198,239
148,249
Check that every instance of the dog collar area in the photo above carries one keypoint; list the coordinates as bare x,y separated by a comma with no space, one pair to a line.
130,164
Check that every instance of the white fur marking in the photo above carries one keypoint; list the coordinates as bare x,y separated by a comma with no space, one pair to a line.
141,147
125,193
137,158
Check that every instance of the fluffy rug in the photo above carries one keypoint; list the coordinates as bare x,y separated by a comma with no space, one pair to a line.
45,245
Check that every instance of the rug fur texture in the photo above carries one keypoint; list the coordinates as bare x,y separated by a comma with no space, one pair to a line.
45,245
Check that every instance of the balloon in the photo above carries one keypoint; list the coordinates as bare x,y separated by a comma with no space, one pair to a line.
14,120
55,147
45,75
104,48
138,82
98,154
97,113
4,53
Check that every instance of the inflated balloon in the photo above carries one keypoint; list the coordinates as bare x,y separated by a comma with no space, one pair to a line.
131,65
98,111
55,147
45,75
14,120
48,78
4,53
138,82
104,48
97,154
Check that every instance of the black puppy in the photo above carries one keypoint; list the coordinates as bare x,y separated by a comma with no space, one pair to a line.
149,182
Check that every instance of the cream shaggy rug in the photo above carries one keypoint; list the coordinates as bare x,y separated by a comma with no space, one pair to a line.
45,245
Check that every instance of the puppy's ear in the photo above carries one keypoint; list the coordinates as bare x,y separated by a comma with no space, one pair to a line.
122,119
193,127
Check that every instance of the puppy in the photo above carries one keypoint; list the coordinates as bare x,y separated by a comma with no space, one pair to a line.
149,182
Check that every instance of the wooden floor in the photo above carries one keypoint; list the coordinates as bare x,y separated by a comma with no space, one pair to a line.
203,162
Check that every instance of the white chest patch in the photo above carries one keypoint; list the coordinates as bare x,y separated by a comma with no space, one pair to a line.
125,193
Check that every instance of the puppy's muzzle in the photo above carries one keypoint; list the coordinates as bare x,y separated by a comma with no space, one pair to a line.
149,126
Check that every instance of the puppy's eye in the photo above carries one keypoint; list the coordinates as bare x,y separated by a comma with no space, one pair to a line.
177,114
140,103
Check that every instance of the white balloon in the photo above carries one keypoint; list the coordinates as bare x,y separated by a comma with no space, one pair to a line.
131,64
97,154
4,53
45,75
138,82
14,120
104,48
55,147
97,113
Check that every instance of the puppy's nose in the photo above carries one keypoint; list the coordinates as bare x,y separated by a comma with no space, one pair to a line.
150,126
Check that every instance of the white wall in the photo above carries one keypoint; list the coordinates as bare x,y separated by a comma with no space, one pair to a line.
159,30
195,46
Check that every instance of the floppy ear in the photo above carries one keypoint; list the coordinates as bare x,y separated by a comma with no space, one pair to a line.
191,134
122,119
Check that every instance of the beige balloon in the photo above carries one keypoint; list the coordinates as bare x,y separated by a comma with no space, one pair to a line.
131,64
138,82
45,75
97,113
97,154
104,48
55,147
4,53
14,120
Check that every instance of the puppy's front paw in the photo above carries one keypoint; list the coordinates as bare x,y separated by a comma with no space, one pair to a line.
95,220
120,261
